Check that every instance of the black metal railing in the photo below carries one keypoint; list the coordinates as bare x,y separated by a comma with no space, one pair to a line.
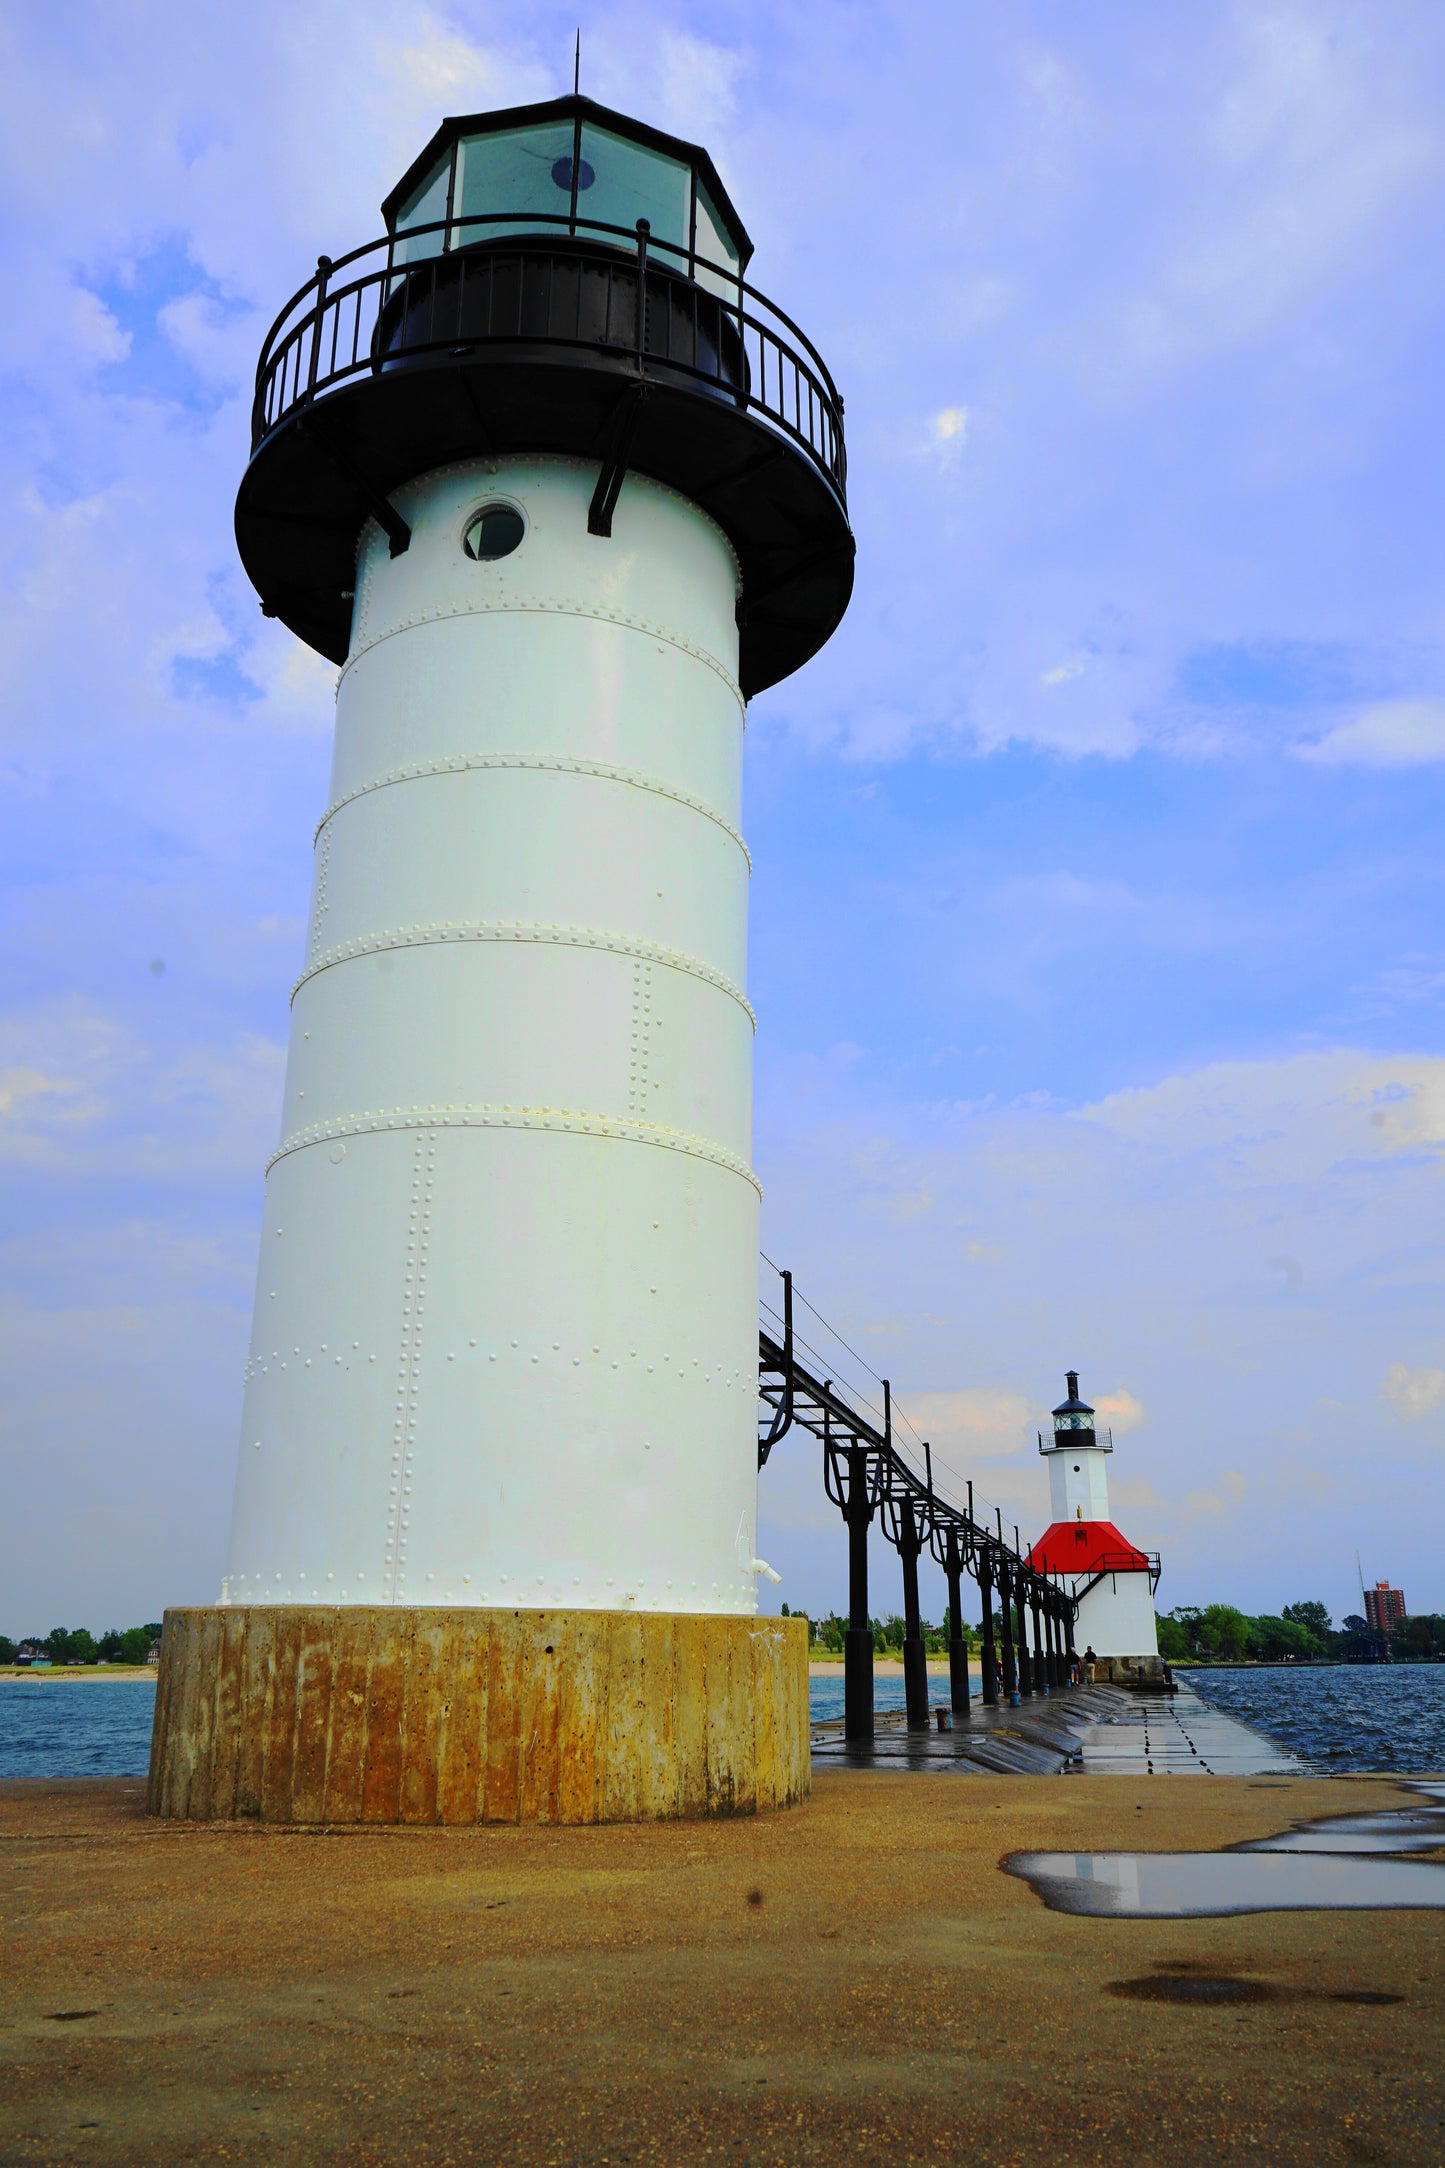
1058,1441
867,1476
1103,1563
485,283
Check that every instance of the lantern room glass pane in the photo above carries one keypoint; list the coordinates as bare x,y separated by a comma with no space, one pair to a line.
629,182
715,246
427,204
515,170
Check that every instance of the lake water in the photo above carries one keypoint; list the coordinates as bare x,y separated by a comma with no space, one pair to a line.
825,1696
75,1728
1338,1717
1341,1716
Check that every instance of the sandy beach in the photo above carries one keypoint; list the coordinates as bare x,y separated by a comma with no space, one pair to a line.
854,1981
90,1674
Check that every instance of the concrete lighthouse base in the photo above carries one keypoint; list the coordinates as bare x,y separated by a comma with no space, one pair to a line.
310,1713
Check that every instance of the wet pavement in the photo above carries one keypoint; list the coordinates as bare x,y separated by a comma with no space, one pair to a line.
1087,1730
1180,1735
1037,1739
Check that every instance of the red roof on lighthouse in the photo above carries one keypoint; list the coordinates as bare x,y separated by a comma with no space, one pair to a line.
1085,1547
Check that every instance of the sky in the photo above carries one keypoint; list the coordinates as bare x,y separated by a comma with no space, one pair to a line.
1098,911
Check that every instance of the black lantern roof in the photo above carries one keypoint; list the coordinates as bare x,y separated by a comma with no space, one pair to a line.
1073,1405
554,278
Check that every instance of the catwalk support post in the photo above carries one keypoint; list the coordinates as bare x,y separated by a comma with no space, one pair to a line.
915,1661
958,1691
858,1641
990,1650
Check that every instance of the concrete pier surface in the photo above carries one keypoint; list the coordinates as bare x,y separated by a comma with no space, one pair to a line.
849,1981
1087,1730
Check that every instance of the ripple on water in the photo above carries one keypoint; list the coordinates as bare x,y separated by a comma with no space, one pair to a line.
75,1728
1340,1716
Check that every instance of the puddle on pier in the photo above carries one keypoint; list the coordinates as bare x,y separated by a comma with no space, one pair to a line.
1349,1863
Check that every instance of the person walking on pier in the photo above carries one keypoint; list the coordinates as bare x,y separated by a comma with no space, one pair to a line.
1090,1659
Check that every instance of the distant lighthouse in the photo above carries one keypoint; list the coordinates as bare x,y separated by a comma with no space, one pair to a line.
1112,1580
558,490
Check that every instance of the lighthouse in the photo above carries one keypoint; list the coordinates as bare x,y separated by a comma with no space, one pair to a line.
1111,1580
556,490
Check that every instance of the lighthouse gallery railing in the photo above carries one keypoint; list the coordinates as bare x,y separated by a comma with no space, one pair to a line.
389,302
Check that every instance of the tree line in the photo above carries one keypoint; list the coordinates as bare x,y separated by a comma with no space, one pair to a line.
77,1645
1301,1633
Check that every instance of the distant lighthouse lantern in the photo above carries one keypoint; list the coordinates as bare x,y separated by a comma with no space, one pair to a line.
1073,1416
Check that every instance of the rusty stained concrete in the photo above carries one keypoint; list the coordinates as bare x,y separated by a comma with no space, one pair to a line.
363,1713
852,1981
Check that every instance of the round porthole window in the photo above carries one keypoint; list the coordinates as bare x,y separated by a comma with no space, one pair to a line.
493,532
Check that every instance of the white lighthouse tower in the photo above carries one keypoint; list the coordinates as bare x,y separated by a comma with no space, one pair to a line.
1111,1580
558,491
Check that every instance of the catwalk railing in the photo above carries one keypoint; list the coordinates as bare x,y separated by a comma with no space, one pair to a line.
867,1477
512,280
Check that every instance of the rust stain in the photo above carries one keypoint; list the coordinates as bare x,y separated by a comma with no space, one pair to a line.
314,1713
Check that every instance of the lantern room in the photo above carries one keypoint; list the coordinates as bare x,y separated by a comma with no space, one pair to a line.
564,168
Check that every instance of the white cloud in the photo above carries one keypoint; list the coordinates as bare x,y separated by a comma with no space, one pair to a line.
1296,1117
973,1420
1219,1503
83,1093
97,334
950,425
19,1086
1391,734
698,84
1413,1393
1121,1410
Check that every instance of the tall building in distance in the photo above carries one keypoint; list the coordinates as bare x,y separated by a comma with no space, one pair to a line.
1384,1608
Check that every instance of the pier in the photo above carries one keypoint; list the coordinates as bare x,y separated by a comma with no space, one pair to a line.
851,1984
1091,1731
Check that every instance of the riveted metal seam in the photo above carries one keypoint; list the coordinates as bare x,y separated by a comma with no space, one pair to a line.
559,1120
501,929
438,614
549,763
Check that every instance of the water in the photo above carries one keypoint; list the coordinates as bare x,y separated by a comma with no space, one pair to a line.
1340,1716
75,1728
825,1696
1197,1885
1349,1863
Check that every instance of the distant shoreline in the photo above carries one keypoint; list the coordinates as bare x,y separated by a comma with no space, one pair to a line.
886,1667
88,1674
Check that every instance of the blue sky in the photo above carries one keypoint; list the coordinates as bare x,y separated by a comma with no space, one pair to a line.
1097,911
